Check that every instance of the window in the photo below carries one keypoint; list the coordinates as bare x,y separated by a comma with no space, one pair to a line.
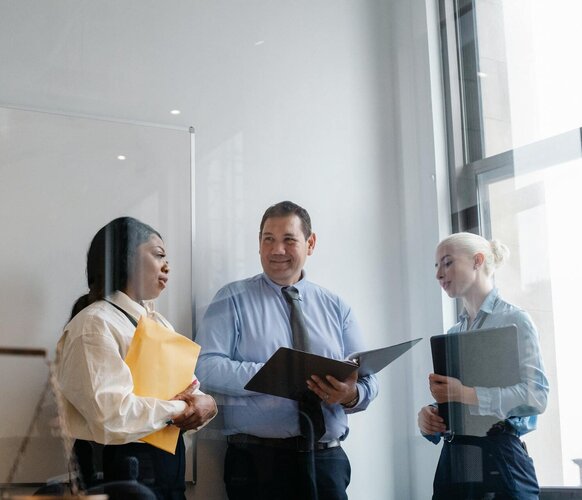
514,112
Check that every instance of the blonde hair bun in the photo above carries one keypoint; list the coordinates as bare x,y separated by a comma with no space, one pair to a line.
495,252
500,252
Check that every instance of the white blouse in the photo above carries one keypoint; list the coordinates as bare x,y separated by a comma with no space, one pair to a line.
96,384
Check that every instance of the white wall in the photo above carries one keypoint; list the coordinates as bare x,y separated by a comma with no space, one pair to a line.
357,139
421,160
308,122
323,102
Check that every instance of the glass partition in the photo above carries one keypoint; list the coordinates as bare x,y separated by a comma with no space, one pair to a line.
530,204
62,178
513,109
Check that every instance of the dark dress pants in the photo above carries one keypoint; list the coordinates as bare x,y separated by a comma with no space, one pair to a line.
159,470
485,467
255,472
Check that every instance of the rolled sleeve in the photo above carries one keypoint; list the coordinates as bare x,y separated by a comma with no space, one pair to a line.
97,384
367,386
529,397
217,368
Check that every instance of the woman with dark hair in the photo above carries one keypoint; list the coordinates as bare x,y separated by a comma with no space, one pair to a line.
126,269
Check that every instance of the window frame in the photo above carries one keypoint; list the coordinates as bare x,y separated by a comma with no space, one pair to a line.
469,171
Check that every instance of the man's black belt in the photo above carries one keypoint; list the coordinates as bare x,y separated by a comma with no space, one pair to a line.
297,443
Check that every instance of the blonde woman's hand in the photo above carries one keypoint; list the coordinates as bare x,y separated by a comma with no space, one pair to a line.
429,420
445,389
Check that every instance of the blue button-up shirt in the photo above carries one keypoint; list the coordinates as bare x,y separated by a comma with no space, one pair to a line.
519,404
245,324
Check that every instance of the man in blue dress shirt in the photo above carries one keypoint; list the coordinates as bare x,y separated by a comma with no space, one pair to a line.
247,321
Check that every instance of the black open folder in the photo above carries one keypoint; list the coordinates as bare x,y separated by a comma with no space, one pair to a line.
285,373
478,358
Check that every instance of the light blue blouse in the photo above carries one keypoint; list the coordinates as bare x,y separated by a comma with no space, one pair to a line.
519,404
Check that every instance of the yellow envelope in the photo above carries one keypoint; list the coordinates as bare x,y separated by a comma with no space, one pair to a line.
162,364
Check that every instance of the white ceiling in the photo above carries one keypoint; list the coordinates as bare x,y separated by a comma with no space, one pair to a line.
134,60
138,59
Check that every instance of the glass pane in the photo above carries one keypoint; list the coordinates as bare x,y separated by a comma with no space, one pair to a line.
531,210
529,76
63,179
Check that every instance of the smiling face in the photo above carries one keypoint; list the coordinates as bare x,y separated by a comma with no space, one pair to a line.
149,274
456,271
283,249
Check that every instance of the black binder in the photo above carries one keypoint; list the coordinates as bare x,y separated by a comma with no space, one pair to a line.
285,373
482,358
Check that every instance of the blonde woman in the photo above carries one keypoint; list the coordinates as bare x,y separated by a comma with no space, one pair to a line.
465,265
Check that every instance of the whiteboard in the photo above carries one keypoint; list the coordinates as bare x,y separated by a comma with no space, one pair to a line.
60,181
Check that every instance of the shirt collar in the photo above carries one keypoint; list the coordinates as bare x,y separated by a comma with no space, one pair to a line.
300,285
129,305
486,306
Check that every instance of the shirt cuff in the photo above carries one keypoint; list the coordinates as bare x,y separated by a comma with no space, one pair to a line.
433,438
177,407
354,402
484,399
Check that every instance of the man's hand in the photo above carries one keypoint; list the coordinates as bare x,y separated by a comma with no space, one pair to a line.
429,420
331,390
200,409
445,389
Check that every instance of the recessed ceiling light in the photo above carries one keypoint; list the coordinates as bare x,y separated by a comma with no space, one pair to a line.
260,42
121,157
175,112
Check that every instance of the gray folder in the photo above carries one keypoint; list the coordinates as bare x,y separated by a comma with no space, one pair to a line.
375,360
285,373
478,358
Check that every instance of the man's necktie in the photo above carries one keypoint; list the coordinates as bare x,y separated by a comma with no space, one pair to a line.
310,412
